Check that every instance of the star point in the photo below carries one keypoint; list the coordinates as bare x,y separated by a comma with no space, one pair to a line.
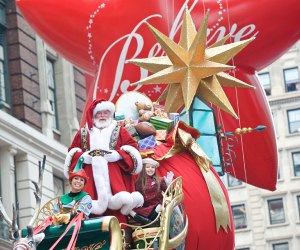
190,69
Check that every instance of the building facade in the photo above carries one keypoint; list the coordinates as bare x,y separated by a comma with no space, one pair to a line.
266,220
42,97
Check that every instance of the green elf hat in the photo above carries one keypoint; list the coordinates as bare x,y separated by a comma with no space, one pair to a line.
79,171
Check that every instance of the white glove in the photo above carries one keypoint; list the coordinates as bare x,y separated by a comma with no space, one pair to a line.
113,156
168,179
87,158
158,208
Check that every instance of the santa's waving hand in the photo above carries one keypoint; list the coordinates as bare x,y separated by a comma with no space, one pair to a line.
111,157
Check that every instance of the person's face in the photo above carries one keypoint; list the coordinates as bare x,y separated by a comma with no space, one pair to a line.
77,184
102,115
102,119
150,169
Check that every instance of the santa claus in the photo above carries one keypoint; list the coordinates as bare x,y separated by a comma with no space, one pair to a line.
111,158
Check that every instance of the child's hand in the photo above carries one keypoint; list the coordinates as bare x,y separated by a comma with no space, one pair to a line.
168,179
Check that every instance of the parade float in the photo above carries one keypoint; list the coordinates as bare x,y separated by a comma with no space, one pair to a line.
183,71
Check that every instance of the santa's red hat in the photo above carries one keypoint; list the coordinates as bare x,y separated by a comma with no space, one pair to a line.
98,105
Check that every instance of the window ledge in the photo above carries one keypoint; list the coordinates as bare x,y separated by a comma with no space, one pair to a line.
272,195
236,187
242,230
295,191
292,134
56,131
278,225
4,106
295,178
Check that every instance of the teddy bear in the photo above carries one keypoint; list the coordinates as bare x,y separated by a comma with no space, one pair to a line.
144,110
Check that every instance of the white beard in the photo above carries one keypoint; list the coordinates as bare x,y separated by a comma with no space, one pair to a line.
100,138
102,123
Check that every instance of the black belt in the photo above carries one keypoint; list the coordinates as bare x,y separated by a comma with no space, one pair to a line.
99,152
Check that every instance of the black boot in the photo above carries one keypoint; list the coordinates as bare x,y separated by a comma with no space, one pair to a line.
153,215
143,220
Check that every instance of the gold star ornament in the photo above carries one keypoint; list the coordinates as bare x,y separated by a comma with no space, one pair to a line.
191,69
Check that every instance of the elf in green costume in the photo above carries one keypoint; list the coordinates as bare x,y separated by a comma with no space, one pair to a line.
77,201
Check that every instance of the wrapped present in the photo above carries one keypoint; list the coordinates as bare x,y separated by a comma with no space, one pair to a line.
161,123
132,131
161,135
174,117
146,143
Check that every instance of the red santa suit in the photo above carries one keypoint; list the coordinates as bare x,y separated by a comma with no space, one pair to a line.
110,183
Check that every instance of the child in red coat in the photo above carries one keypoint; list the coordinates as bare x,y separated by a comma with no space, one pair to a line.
151,187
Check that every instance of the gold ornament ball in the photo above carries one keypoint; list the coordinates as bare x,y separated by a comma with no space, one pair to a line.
238,131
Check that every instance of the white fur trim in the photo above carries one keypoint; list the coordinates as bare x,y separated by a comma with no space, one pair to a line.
68,160
137,155
105,105
138,199
101,177
100,206
102,184
122,200
100,139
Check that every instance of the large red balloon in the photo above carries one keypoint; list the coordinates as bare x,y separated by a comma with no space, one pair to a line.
99,36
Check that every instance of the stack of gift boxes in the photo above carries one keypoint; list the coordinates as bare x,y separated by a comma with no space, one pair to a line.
161,123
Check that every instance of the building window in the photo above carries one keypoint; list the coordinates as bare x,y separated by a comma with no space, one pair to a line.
233,182
296,163
2,79
291,79
239,216
294,120
298,202
3,57
281,246
276,211
265,82
52,92
59,186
